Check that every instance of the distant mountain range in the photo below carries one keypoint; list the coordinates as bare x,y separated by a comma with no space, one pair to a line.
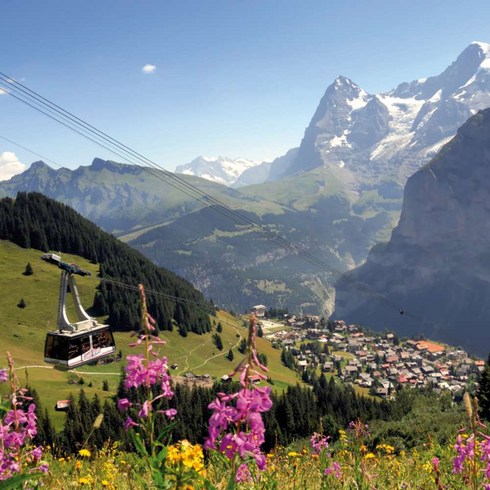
221,170
335,196
436,267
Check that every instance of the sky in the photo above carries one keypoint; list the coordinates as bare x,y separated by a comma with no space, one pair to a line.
177,79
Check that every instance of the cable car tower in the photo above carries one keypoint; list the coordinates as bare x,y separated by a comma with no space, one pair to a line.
80,342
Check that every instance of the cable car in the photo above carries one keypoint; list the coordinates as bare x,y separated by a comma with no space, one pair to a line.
76,343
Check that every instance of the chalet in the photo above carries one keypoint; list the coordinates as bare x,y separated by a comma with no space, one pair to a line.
302,364
327,367
259,311
62,405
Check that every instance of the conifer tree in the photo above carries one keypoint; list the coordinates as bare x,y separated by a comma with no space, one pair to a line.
28,271
217,341
483,393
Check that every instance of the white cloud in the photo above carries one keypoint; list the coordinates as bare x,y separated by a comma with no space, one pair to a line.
2,91
10,165
149,68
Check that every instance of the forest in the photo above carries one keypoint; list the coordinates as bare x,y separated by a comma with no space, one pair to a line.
32,220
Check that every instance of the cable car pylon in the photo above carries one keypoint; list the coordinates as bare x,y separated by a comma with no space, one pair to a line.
80,342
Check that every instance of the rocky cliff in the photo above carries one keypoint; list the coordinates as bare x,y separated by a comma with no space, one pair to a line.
436,267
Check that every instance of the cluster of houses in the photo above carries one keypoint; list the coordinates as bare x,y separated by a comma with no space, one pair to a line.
381,363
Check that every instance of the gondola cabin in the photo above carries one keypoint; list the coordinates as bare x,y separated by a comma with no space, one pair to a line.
80,342
72,349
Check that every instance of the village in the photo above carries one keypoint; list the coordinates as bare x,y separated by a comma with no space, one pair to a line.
380,363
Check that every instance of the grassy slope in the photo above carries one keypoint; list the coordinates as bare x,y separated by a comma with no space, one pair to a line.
22,333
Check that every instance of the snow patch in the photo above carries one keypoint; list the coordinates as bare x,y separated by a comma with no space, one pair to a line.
360,101
402,111
390,145
434,149
337,141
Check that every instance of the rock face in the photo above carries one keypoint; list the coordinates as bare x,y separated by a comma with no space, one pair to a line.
437,264
388,136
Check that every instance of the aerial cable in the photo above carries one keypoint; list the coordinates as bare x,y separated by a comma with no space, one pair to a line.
223,208
195,194
176,182
189,189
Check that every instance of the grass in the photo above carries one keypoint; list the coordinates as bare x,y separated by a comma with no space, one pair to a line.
23,330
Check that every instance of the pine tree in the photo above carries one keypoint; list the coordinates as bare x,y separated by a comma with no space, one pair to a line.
219,328
28,271
217,341
21,303
230,356
483,393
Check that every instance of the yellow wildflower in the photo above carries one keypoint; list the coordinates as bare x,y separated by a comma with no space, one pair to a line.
369,456
85,452
84,481
293,454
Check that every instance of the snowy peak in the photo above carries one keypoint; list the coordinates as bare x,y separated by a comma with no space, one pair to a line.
221,170
390,135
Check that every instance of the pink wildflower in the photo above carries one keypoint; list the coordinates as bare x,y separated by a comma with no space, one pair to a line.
236,424
318,442
335,469
123,404
170,413
243,474
128,423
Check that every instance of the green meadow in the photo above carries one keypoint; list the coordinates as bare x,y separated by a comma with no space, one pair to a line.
23,330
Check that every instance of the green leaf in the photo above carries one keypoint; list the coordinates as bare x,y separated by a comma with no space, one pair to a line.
139,444
162,455
165,431
16,481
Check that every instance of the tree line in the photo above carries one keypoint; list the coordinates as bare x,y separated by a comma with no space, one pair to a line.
32,220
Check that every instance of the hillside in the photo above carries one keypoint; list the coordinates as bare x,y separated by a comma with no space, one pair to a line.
22,333
33,220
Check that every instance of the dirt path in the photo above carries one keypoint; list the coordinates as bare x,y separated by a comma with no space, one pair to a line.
186,368
221,354
71,370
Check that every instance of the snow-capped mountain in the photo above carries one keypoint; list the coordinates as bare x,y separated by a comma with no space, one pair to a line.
222,170
388,136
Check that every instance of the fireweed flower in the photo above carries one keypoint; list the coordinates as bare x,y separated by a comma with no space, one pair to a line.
17,429
236,427
318,442
335,469
4,376
142,371
465,451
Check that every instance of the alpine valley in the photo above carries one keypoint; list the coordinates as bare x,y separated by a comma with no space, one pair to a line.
335,196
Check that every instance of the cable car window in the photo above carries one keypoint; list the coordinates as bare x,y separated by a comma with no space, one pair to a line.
56,347
74,348
102,339
85,341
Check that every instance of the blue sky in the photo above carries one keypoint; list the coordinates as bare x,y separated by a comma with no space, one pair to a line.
232,77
